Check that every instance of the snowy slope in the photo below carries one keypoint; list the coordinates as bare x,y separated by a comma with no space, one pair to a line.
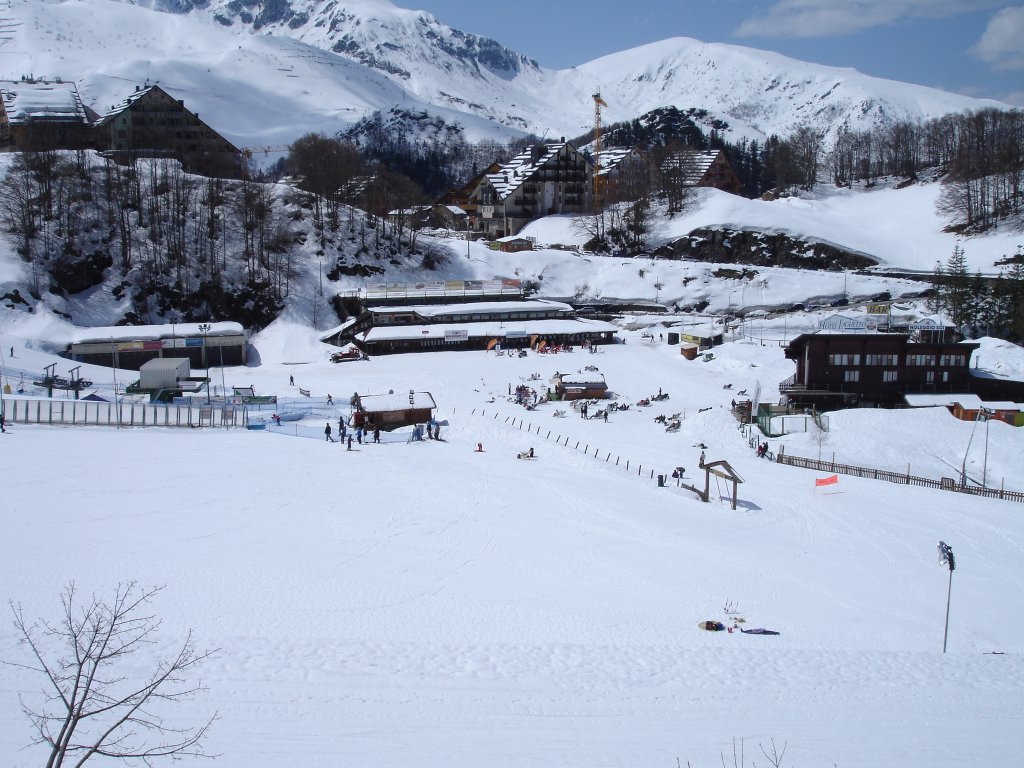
263,73
472,609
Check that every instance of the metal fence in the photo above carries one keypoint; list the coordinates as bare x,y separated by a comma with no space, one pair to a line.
903,478
120,414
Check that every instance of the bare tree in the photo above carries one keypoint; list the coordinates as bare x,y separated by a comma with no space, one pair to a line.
90,706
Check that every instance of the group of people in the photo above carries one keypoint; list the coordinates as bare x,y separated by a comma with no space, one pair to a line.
524,395
343,435
762,450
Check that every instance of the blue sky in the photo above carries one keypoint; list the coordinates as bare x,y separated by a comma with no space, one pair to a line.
974,47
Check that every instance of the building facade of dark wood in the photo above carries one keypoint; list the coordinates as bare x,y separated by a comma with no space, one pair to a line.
836,370
151,122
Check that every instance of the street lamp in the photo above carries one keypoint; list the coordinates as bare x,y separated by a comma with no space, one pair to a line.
946,558
204,328
113,369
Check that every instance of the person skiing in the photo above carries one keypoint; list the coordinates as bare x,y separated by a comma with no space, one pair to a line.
327,433
330,400
291,381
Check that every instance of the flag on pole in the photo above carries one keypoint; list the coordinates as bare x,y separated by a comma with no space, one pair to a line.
830,480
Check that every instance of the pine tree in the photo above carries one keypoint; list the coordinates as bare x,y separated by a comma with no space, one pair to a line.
956,288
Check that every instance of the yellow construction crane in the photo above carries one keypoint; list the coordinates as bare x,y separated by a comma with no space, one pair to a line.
598,103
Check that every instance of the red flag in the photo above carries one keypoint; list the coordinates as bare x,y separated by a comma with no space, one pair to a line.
831,480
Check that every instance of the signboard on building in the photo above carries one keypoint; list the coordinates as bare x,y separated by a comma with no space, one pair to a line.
458,335
877,309
515,334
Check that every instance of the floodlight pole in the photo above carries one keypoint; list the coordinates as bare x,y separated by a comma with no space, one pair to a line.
204,328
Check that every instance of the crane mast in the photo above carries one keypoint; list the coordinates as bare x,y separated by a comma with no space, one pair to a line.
598,103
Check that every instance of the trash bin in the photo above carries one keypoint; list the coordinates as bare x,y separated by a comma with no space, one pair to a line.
661,481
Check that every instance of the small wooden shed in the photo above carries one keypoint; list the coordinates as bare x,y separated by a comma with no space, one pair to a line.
392,411
513,244
580,386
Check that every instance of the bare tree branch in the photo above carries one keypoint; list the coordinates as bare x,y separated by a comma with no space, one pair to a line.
88,706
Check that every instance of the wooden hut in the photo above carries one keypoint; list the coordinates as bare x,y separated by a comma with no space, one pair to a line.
580,386
392,411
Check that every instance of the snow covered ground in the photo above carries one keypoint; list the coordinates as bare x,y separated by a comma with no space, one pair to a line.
422,602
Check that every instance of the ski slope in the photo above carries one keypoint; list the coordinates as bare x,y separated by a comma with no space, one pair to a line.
426,602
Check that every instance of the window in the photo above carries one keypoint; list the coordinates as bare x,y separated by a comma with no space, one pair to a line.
851,376
888,375
844,359
926,360
881,359
929,377
948,361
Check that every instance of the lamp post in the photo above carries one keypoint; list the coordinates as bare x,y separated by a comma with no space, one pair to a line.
984,465
113,369
204,328
946,558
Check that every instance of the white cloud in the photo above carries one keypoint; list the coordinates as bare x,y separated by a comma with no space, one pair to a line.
830,18
1001,44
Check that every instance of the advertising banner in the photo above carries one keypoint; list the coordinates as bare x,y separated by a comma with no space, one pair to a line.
458,335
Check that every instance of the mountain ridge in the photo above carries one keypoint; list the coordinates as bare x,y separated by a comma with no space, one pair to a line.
239,61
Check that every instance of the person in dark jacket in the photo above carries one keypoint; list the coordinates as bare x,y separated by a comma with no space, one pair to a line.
327,433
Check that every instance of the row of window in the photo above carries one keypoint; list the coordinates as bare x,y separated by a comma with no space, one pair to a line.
852,376
946,361
504,316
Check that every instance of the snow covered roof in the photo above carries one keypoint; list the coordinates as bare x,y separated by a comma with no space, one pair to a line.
25,101
490,329
608,159
120,107
524,165
397,402
153,332
969,401
474,307
583,379
326,336
691,163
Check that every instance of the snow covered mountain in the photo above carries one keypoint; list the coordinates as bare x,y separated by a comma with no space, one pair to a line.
266,71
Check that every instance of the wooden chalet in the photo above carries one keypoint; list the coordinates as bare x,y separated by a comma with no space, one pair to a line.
836,370
151,123
40,115
392,411
703,168
543,180
580,386
513,244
